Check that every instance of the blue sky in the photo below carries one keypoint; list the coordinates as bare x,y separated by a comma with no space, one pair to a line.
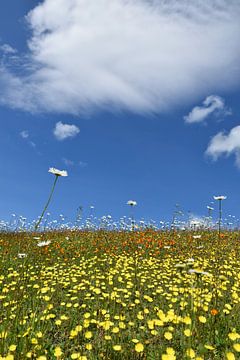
137,99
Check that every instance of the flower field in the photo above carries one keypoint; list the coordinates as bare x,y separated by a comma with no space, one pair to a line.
120,295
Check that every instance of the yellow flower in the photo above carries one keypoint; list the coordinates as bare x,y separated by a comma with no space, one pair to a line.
88,335
12,347
230,356
107,337
236,347
139,347
202,319
209,347
75,356
168,335
135,341
89,347
170,351
115,330
233,336
190,353
58,322
168,357
187,320
9,357
187,332
42,357
117,347
57,351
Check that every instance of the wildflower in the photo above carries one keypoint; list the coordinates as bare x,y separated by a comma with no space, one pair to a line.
12,347
209,347
233,336
236,347
131,203
9,357
117,347
139,347
198,272
190,353
57,351
168,335
187,332
58,172
214,312
230,356
168,357
44,243
220,197
202,319
88,335
22,255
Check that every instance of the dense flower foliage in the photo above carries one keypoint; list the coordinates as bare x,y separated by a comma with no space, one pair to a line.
120,295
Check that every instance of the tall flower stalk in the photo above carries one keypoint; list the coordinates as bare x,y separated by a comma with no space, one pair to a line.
219,198
132,203
57,174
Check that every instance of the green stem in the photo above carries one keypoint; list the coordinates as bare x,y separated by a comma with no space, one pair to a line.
46,206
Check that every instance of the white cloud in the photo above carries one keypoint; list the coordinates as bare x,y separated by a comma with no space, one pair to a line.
225,144
7,49
145,55
24,134
213,104
64,131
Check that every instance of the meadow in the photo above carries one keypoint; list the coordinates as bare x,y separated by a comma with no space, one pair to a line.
120,295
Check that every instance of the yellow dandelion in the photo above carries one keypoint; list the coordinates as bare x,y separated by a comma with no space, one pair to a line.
230,356
202,319
236,347
209,347
187,332
115,330
168,357
9,357
170,351
117,347
89,347
233,336
75,356
12,347
168,335
57,351
190,353
88,335
139,347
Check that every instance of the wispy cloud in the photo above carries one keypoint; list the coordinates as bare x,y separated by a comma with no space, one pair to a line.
144,55
225,144
69,162
213,104
64,131
24,134
7,49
